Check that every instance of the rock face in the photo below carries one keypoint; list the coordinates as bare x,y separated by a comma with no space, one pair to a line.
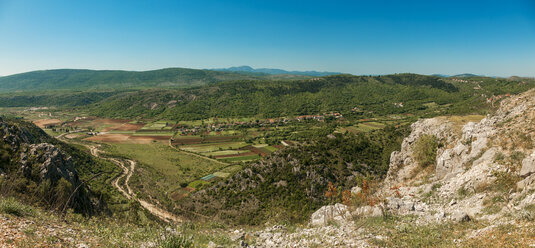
38,164
402,163
469,162
50,163
528,166
15,135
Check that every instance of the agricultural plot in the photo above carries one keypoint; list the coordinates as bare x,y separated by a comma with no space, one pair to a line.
42,123
188,140
241,158
163,133
223,152
233,151
213,147
171,167
104,125
198,123
129,139
362,127
158,125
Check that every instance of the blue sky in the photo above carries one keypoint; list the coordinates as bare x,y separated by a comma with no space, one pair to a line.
359,37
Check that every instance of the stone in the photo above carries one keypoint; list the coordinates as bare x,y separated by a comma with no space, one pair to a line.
440,215
460,216
526,181
355,190
528,165
338,212
373,211
211,244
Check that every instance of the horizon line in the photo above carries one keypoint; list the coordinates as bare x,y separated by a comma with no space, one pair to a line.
288,70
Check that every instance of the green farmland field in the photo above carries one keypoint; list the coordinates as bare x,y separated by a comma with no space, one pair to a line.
242,158
172,166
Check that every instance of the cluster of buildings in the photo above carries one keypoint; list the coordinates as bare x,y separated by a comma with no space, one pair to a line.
493,99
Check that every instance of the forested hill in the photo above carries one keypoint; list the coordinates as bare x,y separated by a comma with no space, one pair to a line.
74,79
377,95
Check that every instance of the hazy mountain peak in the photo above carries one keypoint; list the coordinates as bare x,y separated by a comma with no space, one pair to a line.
273,71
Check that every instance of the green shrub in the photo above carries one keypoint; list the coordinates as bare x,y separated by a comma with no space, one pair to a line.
425,150
505,181
176,241
13,207
63,191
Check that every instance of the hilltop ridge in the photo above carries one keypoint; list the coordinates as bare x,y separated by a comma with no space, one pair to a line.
83,79
272,71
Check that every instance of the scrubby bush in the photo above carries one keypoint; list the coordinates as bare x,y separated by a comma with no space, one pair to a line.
176,241
12,206
425,150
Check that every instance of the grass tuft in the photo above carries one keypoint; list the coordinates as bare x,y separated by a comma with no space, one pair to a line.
11,206
176,241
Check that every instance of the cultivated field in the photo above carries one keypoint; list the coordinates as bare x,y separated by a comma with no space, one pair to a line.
129,139
42,123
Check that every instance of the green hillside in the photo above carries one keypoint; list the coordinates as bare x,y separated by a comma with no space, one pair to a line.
69,98
74,79
373,95
290,184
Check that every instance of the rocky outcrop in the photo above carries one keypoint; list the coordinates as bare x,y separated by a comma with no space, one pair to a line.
330,213
49,163
402,163
37,163
474,162
528,166
15,134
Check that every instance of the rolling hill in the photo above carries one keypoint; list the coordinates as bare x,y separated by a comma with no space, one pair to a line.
374,95
77,79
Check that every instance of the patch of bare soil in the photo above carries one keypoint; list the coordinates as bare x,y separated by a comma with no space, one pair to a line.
45,122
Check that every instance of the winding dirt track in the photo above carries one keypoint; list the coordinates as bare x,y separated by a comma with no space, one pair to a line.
128,193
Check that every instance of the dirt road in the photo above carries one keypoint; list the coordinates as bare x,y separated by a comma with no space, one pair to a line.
128,193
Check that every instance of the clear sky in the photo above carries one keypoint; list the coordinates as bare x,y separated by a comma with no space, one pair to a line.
359,37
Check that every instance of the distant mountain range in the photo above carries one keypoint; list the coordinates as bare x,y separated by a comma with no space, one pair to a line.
458,75
81,79
248,69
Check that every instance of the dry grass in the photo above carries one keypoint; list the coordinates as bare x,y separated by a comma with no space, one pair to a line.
460,120
505,235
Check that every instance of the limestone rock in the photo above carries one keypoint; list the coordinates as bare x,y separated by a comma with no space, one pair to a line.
356,190
367,211
528,181
460,216
51,163
338,212
211,244
528,166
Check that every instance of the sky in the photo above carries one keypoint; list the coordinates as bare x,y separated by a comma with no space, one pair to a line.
495,38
